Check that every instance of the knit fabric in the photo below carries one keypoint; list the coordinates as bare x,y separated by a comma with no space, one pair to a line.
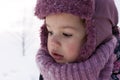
98,67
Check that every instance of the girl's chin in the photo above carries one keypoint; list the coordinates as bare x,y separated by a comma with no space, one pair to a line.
64,62
61,61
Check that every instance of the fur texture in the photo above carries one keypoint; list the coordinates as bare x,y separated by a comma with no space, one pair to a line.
82,8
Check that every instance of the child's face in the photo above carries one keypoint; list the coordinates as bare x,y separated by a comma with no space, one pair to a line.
66,35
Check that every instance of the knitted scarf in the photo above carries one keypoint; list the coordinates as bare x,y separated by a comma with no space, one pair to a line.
98,67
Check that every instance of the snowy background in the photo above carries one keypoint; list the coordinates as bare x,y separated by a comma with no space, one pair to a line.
19,39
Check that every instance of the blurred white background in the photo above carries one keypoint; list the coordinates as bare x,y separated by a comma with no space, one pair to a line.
19,39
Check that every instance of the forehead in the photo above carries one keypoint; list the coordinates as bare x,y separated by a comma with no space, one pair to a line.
63,20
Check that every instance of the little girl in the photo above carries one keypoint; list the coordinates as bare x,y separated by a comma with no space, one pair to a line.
78,39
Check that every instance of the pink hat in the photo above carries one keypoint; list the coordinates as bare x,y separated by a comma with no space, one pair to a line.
101,19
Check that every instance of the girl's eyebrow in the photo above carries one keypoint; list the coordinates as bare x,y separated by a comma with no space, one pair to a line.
64,27
68,27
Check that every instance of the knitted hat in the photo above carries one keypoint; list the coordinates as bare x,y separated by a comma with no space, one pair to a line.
100,18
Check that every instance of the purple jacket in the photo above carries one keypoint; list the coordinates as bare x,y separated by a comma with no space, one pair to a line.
101,19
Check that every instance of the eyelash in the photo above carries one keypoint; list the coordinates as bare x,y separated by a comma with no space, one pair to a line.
64,34
67,35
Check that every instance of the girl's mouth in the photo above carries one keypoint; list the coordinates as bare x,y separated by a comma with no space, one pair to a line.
57,56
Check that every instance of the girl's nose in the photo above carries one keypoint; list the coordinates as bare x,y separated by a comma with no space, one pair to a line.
55,41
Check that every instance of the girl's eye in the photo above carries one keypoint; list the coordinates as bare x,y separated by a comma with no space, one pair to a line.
50,33
67,35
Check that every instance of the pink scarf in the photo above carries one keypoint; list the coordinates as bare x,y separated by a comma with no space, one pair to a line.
98,67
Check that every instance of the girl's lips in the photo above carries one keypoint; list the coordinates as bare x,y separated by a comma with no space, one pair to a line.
57,56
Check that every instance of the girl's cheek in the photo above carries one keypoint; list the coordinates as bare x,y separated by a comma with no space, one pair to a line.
72,48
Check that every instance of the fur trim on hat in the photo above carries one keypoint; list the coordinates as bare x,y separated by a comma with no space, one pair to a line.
82,8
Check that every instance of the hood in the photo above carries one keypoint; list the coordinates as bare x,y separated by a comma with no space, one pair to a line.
101,19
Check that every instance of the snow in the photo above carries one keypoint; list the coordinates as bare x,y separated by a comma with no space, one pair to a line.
19,39
13,64
117,2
